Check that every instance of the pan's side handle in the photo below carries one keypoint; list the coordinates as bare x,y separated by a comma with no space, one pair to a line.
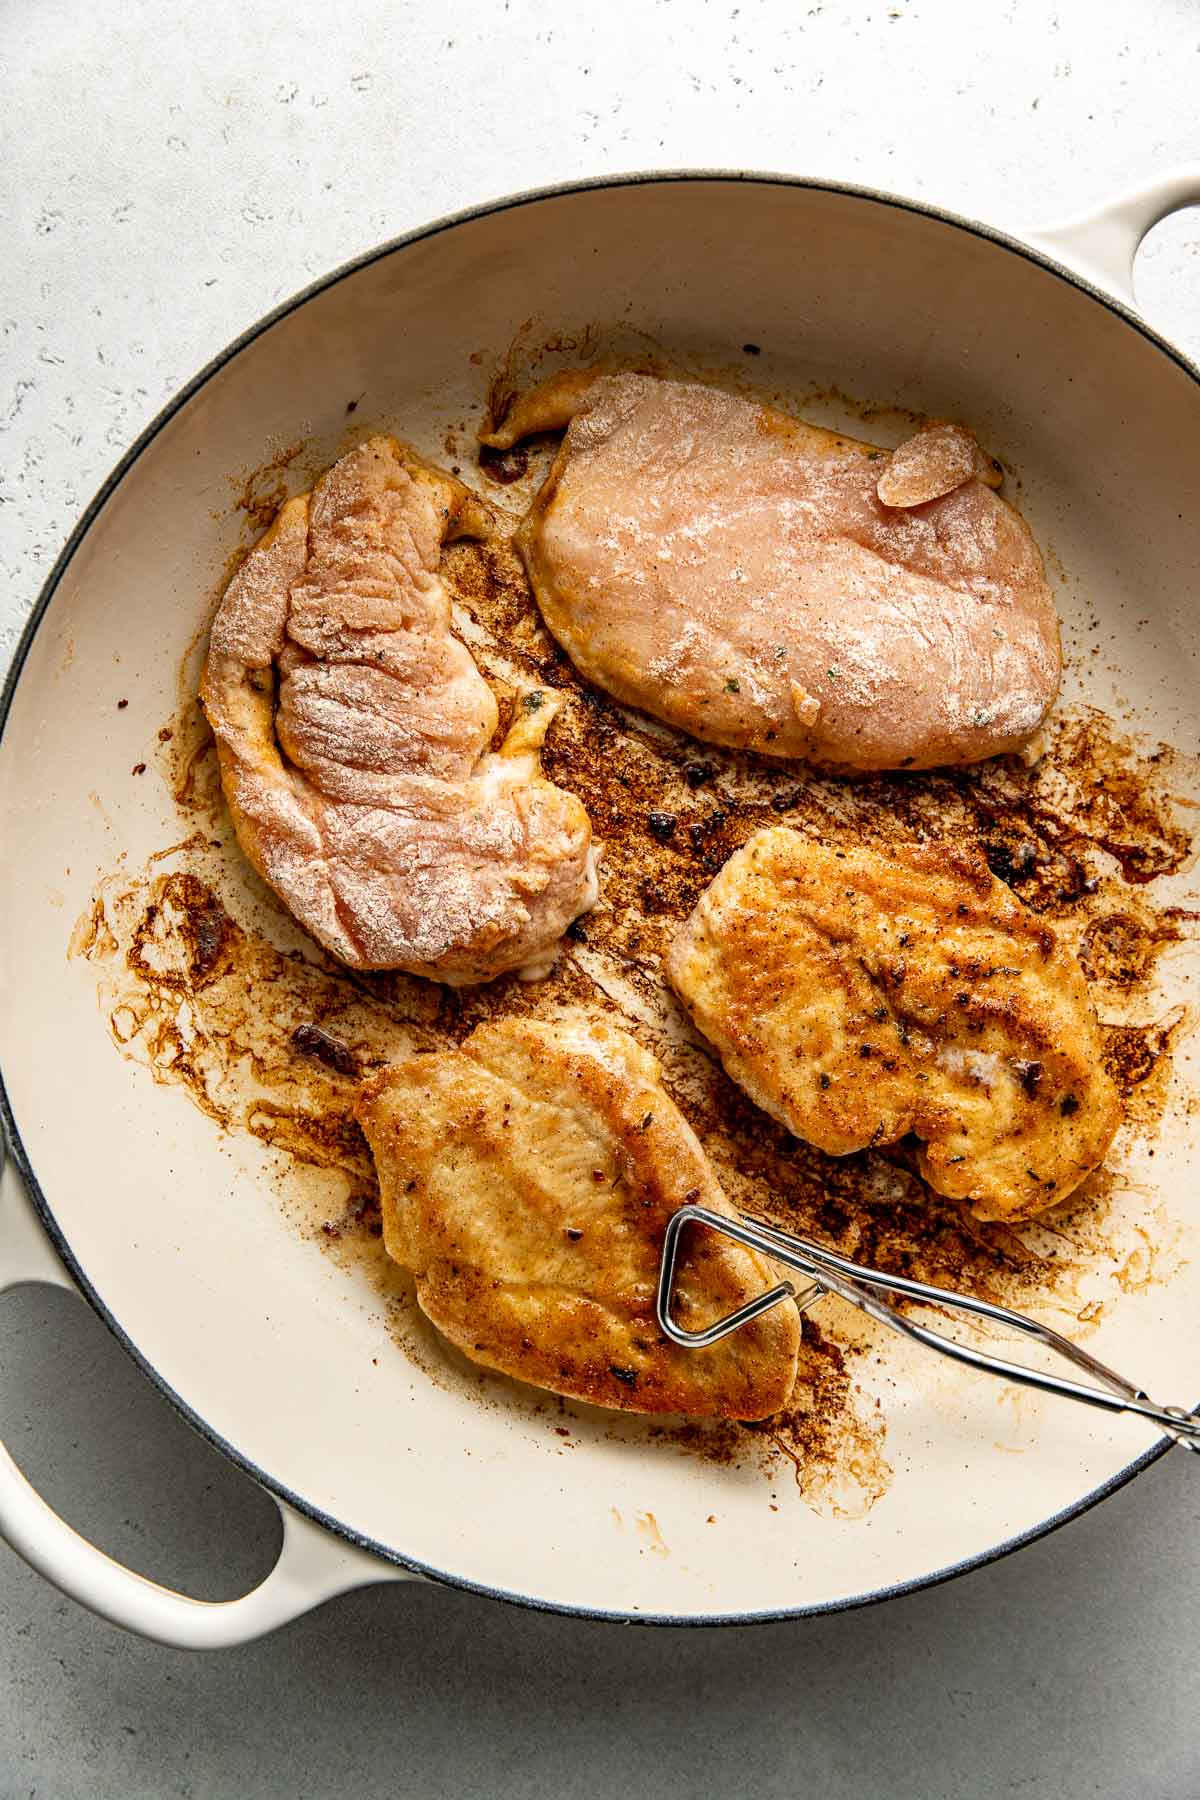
1102,244
312,1566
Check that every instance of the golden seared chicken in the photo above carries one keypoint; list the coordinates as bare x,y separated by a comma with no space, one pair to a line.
527,1180
858,995
352,729
770,586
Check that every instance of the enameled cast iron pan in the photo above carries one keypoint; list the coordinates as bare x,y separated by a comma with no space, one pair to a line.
176,1234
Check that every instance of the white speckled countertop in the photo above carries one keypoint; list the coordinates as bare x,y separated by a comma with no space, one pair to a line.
170,173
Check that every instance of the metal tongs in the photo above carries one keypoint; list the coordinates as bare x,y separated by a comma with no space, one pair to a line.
829,1273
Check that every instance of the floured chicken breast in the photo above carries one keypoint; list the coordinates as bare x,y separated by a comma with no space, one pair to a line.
858,995
771,586
527,1180
352,729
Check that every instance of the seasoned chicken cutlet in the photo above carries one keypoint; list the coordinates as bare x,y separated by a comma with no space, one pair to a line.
858,995
771,586
352,729
527,1180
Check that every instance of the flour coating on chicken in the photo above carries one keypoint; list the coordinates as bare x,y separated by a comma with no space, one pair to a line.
353,728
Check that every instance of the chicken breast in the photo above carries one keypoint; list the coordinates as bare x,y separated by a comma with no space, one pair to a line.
858,996
527,1181
770,586
352,729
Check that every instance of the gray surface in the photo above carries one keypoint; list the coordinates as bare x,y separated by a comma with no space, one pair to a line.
166,175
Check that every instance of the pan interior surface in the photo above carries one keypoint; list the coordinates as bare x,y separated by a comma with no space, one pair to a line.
186,1233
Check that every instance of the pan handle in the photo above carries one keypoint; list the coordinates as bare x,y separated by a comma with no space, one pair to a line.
1101,245
312,1566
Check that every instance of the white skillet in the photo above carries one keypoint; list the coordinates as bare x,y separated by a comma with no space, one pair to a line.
121,1189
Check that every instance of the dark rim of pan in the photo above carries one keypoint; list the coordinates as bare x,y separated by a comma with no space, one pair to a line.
532,197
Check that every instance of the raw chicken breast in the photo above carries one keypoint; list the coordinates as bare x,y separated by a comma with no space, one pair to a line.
352,729
770,586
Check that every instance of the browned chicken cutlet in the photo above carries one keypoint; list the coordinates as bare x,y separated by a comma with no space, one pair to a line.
858,995
768,585
527,1180
352,729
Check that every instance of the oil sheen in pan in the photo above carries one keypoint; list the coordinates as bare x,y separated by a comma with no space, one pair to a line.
206,981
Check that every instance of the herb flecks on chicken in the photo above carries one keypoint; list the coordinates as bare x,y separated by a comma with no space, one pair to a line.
772,586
